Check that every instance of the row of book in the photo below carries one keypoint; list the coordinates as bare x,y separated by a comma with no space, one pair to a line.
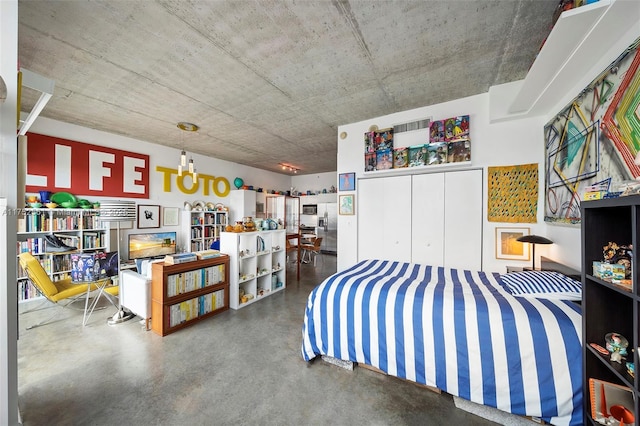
193,308
418,155
27,291
200,232
91,240
38,245
51,265
185,282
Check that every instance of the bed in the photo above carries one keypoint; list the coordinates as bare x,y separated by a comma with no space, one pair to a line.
513,342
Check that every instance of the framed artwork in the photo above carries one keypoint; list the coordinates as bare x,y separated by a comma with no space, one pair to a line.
346,204
170,216
347,182
507,246
148,216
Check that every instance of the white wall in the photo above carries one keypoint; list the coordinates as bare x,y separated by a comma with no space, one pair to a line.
168,157
506,143
314,182
8,190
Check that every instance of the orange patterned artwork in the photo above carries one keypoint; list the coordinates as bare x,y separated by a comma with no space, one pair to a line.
513,194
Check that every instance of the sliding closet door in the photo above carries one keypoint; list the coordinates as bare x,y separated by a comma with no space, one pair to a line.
463,219
384,218
427,219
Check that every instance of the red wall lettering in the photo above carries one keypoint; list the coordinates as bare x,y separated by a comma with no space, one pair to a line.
61,165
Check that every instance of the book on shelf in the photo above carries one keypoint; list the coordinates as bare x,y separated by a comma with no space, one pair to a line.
175,259
207,254
604,396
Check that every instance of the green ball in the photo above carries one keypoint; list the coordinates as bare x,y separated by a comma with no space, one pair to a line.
238,182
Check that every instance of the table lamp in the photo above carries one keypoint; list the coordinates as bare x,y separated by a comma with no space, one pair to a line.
533,240
118,211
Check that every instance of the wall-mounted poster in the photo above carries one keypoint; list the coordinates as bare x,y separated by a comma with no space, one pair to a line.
593,139
148,216
347,182
507,245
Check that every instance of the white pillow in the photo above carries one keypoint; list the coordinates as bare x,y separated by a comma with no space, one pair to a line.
542,284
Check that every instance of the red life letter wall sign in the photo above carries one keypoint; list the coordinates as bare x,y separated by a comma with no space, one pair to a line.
55,164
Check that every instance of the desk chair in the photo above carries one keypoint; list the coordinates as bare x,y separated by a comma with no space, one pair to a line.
291,248
55,291
312,249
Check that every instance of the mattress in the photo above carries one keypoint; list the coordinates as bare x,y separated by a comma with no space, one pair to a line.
460,331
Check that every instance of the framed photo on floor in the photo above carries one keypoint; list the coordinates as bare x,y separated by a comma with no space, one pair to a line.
148,216
507,246
347,182
346,205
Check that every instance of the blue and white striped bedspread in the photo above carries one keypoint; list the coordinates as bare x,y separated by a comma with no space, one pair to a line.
456,330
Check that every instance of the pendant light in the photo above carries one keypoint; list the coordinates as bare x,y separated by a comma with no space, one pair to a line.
187,127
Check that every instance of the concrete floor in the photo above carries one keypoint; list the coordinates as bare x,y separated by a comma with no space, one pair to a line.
240,367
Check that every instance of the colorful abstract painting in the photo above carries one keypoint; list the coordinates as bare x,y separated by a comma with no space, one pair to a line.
594,139
513,194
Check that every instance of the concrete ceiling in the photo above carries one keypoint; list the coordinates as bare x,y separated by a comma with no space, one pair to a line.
268,81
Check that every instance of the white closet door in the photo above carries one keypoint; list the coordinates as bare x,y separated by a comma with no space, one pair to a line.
427,218
463,219
384,218
396,217
368,211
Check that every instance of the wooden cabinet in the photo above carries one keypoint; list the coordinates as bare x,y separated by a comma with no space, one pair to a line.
430,218
185,293
257,264
608,307
79,228
204,228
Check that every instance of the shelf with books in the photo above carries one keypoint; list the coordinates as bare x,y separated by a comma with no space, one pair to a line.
204,228
79,228
184,293
610,310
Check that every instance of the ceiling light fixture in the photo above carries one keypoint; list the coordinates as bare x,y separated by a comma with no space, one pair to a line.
187,127
289,167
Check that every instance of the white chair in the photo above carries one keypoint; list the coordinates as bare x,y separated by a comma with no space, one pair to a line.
135,294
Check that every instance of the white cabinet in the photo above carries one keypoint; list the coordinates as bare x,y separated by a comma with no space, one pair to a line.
204,227
242,203
431,218
384,218
257,262
78,228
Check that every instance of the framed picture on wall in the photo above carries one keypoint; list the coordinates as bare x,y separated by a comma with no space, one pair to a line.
148,216
507,245
170,216
346,205
347,182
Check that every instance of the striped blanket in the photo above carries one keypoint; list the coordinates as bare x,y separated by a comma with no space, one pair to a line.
460,331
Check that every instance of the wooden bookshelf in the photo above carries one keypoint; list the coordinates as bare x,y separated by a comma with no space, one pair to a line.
188,292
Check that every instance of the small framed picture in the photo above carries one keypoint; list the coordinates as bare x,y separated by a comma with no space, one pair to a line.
148,216
346,204
507,245
347,182
170,216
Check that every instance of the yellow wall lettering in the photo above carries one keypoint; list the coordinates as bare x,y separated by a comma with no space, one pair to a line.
219,185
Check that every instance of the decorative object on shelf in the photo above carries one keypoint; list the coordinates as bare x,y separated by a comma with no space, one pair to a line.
148,216
199,206
118,211
170,216
238,227
619,254
248,224
238,182
45,196
533,240
346,205
51,205
617,344
508,246
187,206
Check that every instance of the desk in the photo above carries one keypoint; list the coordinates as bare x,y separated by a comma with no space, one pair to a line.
100,286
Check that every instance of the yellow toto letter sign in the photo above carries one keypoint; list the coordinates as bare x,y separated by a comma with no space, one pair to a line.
219,185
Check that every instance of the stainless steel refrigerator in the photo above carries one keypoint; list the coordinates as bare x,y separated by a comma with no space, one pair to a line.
328,227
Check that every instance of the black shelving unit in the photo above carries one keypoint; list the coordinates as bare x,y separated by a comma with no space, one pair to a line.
609,307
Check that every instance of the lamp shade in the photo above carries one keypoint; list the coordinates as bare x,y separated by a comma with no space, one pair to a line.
117,210
535,239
